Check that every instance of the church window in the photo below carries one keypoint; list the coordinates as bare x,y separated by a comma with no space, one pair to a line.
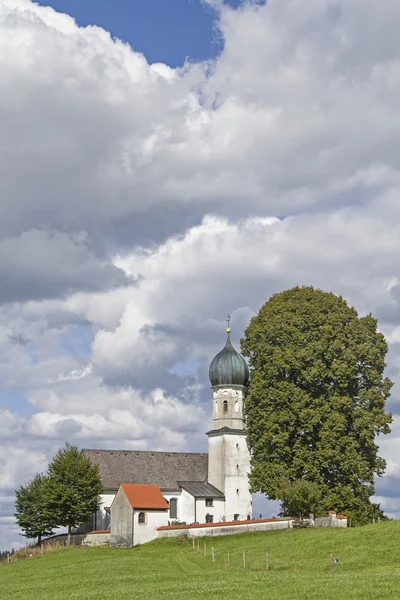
236,517
237,467
209,518
237,491
142,518
216,408
237,446
236,406
225,406
173,508
209,502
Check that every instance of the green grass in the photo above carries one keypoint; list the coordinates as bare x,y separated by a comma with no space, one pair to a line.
369,568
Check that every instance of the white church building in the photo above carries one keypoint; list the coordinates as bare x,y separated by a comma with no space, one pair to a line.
208,487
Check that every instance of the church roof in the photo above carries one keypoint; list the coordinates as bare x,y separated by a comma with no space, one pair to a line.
145,496
200,489
228,367
164,469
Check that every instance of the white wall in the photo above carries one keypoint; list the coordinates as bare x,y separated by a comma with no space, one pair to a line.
146,532
237,468
218,510
216,458
233,417
186,507
228,469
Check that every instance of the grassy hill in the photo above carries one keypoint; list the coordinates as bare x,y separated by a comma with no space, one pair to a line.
369,568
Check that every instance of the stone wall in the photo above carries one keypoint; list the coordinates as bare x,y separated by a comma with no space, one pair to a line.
93,538
230,528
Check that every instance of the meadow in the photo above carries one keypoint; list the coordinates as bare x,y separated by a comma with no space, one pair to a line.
299,561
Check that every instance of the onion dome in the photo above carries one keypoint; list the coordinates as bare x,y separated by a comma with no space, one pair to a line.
229,367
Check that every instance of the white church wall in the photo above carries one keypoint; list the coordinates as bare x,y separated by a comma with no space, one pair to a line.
147,531
238,500
107,499
217,510
174,494
186,508
216,471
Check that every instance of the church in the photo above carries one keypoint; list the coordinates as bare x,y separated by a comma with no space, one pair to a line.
199,488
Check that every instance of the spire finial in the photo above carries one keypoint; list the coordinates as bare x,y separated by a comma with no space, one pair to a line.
228,319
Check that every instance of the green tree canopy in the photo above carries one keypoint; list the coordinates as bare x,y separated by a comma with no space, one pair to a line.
31,511
300,498
316,400
74,487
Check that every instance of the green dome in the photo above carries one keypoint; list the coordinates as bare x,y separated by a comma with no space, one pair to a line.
229,367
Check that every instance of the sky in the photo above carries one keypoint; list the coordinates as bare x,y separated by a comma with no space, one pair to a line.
160,168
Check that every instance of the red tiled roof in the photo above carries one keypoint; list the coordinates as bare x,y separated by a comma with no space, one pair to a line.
145,496
223,524
341,516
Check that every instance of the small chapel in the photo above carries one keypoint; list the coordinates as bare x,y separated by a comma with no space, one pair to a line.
186,487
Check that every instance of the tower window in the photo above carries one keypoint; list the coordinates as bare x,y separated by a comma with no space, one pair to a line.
209,502
237,467
237,446
237,491
173,508
142,518
225,406
236,406
216,408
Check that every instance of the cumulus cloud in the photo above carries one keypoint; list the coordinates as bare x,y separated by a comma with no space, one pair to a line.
140,203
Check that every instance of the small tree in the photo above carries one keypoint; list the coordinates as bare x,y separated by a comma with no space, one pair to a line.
31,512
300,498
73,489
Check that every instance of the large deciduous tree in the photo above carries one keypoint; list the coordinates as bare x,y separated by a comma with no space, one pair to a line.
31,509
316,400
73,489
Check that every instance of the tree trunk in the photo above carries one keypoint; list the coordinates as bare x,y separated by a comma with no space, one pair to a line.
69,535
39,539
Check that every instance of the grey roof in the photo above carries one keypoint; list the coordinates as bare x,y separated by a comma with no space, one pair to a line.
201,490
229,367
164,469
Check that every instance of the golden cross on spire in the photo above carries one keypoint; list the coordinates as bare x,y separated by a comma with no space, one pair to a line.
228,319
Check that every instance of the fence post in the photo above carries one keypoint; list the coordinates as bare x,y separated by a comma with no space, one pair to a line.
267,561
205,549
229,560
41,549
379,519
212,554
373,520
332,560
8,558
193,543
198,545
244,560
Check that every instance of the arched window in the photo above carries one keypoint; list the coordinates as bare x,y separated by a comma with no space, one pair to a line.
236,406
142,518
173,508
216,407
225,406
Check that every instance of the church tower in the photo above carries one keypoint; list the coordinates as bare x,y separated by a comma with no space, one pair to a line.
228,454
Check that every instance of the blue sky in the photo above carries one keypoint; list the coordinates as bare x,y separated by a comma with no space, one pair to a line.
164,31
